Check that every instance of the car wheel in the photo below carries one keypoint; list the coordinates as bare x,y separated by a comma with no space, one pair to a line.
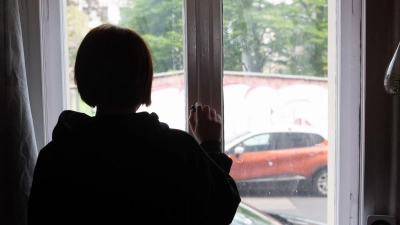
320,182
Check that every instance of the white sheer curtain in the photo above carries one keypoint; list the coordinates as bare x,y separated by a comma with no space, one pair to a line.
18,150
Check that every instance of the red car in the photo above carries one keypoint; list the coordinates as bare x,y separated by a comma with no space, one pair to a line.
290,154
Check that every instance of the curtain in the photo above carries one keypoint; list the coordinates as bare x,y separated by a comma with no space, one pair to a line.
18,150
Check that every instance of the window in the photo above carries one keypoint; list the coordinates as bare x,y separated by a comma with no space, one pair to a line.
163,31
274,74
242,83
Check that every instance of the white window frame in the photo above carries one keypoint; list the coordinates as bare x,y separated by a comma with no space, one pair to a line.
345,77
44,42
44,37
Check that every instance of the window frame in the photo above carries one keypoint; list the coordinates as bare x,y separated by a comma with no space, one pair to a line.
44,42
204,66
345,135
43,35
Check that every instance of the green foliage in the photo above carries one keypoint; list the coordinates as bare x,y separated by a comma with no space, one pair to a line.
77,28
286,38
267,36
161,25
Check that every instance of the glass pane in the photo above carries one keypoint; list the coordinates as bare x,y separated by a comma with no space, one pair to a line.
276,86
161,25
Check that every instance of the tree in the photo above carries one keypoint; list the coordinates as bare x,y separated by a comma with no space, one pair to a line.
259,35
311,21
161,25
77,28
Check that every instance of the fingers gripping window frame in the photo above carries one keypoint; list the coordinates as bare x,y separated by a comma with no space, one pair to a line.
203,51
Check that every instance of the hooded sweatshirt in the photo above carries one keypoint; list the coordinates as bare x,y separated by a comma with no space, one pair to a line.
129,169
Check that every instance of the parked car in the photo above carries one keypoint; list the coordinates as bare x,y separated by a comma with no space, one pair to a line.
280,154
248,215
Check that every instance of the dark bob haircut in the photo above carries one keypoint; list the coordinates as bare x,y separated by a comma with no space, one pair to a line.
114,67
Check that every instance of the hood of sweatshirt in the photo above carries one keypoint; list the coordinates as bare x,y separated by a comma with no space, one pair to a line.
74,124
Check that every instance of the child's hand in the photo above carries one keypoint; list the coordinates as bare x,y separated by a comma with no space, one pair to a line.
205,123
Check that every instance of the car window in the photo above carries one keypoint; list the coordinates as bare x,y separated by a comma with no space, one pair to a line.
257,143
290,140
228,140
297,140
315,139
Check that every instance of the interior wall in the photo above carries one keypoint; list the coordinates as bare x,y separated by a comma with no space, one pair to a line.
381,111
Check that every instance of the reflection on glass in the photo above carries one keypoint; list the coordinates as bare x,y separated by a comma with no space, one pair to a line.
160,24
276,103
392,76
